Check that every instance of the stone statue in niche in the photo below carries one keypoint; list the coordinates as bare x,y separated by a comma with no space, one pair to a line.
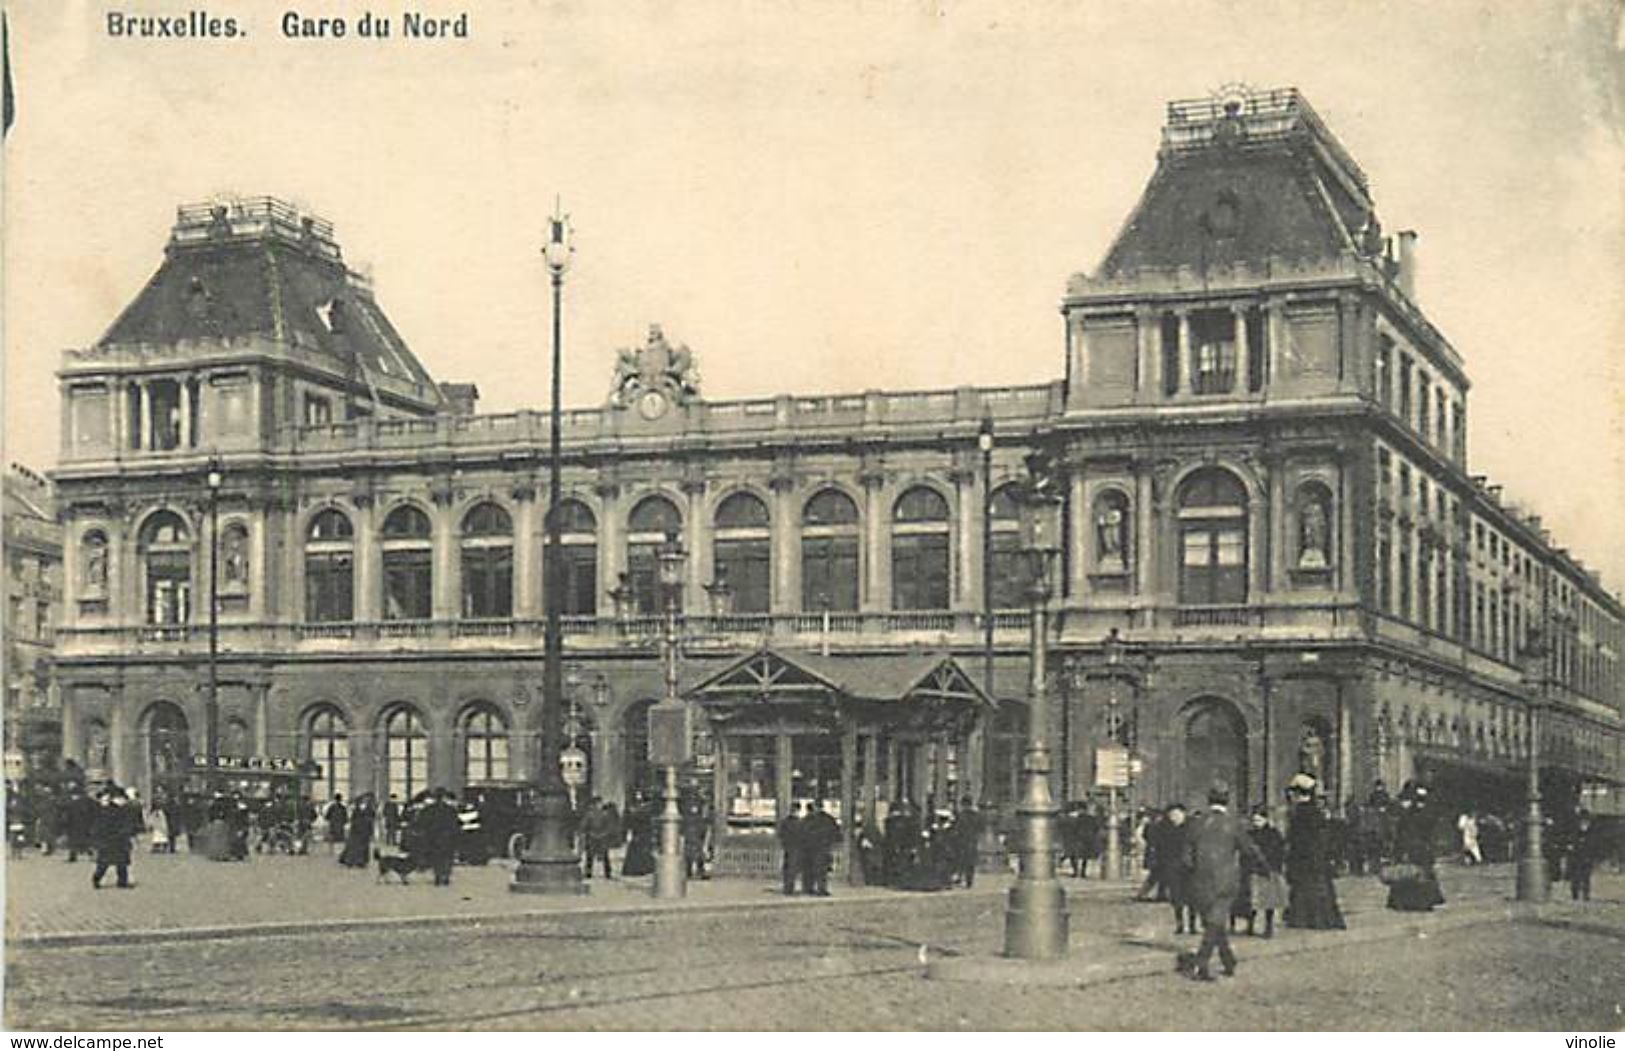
236,559
96,750
96,565
1312,753
1111,534
1314,533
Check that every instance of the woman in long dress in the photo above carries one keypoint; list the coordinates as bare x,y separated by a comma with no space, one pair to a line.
640,854
1312,900
358,835
158,825
1413,883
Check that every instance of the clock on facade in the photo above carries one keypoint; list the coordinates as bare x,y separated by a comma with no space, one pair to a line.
652,404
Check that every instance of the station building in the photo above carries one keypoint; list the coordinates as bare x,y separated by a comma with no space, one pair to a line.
1267,497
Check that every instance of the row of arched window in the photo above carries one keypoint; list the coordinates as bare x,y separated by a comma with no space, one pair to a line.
1210,510
404,757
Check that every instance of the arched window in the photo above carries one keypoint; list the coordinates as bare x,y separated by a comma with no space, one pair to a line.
919,546
741,555
93,564
1212,539
578,558
408,565
485,744
169,746
1215,749
406,752
487,562
166,552
1111,531
829,553
651,521
327,744
1005,588
330,568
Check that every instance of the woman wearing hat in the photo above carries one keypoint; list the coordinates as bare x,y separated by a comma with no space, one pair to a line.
1312,900
1413,885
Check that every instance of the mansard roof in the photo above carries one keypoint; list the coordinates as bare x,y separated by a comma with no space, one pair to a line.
1244,179
259,267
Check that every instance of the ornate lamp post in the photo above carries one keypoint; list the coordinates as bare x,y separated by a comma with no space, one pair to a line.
549,864
1113,649
214,478
1035,918
1534,882
669,734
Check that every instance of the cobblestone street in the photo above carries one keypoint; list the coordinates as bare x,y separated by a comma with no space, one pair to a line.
738,957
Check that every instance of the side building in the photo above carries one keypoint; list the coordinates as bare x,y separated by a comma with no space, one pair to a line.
1275,556
33,551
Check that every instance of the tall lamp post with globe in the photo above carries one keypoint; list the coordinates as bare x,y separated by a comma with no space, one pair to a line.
1534,882
550,865
669,730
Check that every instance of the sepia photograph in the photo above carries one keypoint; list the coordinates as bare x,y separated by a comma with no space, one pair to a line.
938,516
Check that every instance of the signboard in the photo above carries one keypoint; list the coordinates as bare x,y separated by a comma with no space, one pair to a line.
1111,767
669,740
259,763
573,767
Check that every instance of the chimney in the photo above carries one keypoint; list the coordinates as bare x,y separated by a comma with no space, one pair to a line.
460,398
1407,264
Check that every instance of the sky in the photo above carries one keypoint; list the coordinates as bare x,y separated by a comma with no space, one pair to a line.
831,196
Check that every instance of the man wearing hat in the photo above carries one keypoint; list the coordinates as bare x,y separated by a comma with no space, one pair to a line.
115,825
1218,848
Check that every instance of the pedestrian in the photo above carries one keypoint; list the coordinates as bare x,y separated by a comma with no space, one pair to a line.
1153,828
901,845
1583,857
696,828
79,819
436,837
158,825
1173,860
791,848
358,835
1413,883
1312,900
595,838
968,826
1467,826
819,834
639,859
1264,888
338,822
115,825
45,821
1217,849
392,819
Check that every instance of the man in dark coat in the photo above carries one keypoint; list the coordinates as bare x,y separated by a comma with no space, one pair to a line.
116,823
968,825
78,821
696,829
819,834
791,846
1173,861
1216,847
1583,856
439,827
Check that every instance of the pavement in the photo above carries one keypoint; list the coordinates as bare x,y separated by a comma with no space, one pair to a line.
738,957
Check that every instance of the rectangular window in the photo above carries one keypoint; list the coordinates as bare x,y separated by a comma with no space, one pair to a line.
1439,419
328,587
920,571
1405,582
1170,354
1424,591
829,574
1458,432
1385,570
488,582
1385,475
1258,349
169,587
579,565
42,620
1213,565
1008,585
1422,405
407,585
1384,377
317,410
1405,387
746,566
1213,352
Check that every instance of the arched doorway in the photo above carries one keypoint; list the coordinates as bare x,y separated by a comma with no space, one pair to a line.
1215,749
168,741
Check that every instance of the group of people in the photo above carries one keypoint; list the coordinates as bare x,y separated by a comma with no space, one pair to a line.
601,830
922,849
807,838
427,830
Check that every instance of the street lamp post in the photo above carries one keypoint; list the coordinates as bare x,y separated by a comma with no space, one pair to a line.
1534,882
670,735
211,717
1114,846
1035,918
549,864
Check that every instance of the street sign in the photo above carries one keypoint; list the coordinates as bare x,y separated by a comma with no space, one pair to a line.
1111,767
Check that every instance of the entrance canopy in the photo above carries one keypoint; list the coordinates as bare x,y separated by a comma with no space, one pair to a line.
907,692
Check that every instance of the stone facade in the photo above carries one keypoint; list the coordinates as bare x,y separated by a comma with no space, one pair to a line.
1266,495
33,711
